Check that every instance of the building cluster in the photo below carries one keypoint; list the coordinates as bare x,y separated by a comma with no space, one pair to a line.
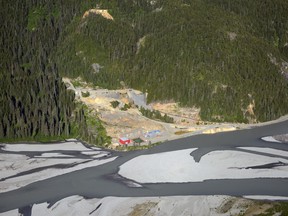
138,137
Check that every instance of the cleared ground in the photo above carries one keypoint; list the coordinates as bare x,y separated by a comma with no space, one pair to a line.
120,122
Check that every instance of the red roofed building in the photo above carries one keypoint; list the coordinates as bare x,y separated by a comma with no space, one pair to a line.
124,141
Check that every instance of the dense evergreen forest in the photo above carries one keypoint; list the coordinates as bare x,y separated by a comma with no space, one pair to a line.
219,55
34,102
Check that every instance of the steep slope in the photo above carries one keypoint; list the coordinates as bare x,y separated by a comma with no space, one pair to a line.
224,57
34,102
33,99
268,19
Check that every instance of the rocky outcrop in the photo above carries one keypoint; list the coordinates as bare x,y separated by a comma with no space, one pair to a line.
103,13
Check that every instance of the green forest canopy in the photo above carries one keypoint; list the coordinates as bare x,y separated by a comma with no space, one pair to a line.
34,102
219,55
216,55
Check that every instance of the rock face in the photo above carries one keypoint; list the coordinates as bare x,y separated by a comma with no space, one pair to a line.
138,98
103,13
96,67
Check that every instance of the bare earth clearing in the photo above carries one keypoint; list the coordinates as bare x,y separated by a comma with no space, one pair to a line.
132,124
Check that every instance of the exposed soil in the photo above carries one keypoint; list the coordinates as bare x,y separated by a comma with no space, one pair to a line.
120,122
247,207
227,205
143,209
257,209
103,13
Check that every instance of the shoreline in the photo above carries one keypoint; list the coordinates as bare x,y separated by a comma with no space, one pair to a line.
237,126
88,178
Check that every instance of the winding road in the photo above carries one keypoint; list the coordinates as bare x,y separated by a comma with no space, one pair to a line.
103,180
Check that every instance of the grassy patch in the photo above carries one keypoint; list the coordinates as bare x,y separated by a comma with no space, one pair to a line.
279,207
266,208
34,17
114,104
96,132
85,94
77,83
37,13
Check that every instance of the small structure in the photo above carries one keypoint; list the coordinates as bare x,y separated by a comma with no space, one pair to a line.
124,141
137,141
151,134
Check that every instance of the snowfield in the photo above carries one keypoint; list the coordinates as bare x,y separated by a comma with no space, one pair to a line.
179,166
22,164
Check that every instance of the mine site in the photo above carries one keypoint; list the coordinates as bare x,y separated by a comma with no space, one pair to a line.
119,111
144,108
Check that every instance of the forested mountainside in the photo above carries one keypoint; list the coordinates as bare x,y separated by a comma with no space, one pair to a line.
34,102
226,57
